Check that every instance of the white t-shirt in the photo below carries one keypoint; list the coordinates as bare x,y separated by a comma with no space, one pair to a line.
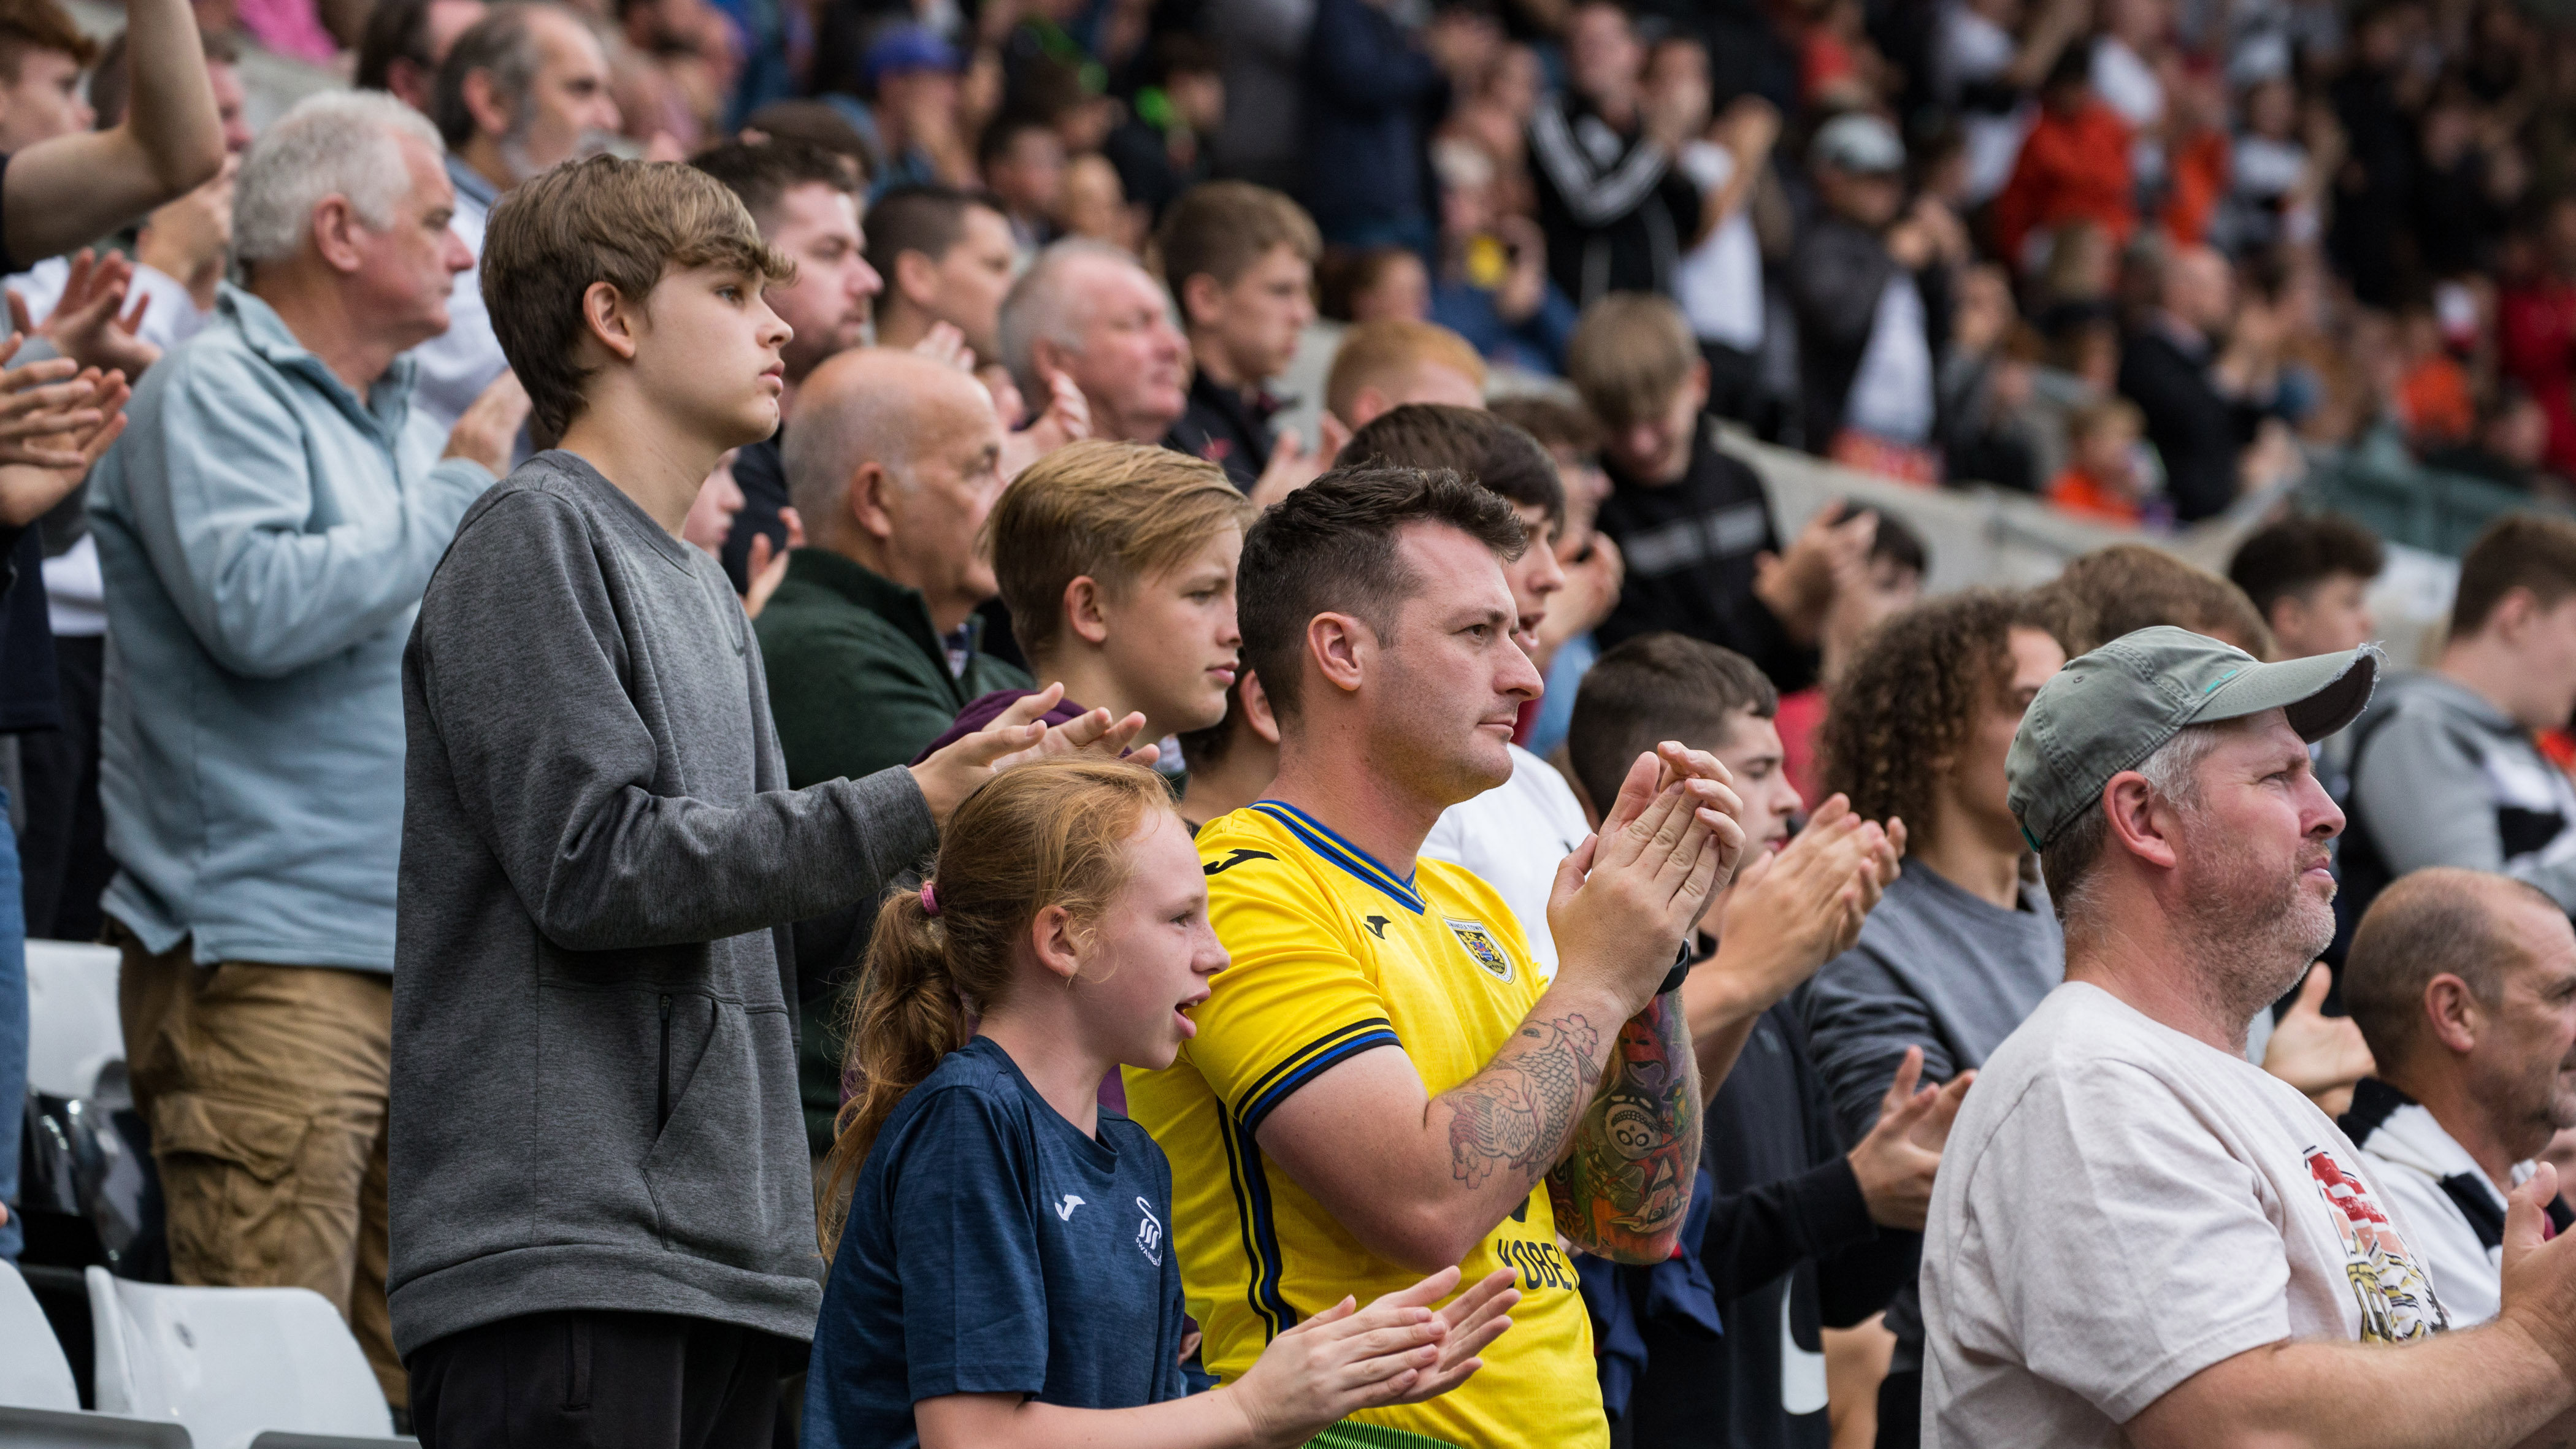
1719,285
1513,837
2121,1206
1891,393
2412,1156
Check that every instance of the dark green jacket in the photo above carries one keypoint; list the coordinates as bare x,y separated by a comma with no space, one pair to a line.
858,681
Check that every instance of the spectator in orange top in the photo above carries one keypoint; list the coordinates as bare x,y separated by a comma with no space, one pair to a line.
2102,479
2434,395
2198,155
2073,167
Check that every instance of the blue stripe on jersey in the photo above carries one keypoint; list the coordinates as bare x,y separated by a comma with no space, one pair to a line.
1342,853
1313,1067
1260,1234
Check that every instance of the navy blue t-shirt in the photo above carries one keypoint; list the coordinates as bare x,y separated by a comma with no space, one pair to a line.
992,1248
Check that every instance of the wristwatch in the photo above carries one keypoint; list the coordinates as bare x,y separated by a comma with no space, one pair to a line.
1681,969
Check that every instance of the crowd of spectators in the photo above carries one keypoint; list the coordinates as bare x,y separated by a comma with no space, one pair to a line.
574,603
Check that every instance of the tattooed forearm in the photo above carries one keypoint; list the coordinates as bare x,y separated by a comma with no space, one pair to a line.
1517,1113
1624,1189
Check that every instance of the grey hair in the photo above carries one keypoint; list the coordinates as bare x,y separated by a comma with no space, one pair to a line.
1041,304
2172,771
504,45
336,143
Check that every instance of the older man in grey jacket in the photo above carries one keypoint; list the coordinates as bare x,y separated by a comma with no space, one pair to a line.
266,529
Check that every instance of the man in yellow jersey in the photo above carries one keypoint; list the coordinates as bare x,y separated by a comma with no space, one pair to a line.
1381,1084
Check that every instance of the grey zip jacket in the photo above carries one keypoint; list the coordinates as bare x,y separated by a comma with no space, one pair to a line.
594,1066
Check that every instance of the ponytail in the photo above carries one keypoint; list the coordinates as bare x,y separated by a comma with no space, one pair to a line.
1048,833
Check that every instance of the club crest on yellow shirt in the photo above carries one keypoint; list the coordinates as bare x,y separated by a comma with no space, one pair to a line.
1481,945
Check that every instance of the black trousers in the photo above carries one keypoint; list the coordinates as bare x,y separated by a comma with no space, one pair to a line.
63,854
594,1380
1900,1410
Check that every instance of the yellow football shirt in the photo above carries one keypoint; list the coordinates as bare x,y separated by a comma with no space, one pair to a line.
1336,955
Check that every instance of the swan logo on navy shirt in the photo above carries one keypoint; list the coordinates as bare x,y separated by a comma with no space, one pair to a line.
1064,1209
1149,1234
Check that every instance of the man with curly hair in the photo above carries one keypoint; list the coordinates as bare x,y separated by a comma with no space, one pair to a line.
1963,945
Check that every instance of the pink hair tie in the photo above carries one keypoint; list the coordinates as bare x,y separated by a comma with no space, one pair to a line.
929,902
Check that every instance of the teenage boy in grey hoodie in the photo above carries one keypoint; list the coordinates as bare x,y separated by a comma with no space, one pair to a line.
603,1219
2444,767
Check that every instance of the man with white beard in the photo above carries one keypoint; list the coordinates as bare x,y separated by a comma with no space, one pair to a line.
2138,1237
522,89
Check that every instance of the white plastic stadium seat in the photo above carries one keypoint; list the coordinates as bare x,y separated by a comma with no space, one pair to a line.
72,1018
234,1363
39,1405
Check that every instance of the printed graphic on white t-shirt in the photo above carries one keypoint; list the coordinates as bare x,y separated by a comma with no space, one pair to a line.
2395,1294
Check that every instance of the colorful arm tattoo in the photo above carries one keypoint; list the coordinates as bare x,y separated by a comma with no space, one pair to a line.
1625,1184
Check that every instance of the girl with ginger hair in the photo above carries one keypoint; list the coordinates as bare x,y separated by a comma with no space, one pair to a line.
1004,1275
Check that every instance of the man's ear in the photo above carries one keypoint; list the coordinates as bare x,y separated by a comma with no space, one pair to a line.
2286,614
1366,405
1084,614
915,277
1698,383
484,103
2138,825
866,503
336,230
1256,707
1340,645
2451,1013
610,319
2513,614
1201,299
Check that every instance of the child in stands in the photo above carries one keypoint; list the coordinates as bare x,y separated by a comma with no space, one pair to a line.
1004,1275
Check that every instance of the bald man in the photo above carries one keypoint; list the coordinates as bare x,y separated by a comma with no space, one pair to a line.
2464,984
1086,310
871,643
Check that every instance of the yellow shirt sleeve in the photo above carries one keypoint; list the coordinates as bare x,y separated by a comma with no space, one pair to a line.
1297,999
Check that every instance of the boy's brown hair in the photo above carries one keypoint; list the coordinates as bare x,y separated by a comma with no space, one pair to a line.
2130,586
1630,353
625,223
1374,352
2096,418
1222,229
1658,687
2518,551
1113,512
31,25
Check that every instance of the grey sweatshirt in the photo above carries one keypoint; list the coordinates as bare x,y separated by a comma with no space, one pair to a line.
1935,967
2442,777
594,1067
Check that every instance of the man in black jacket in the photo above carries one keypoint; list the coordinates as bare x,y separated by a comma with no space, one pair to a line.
2168,369
1870,285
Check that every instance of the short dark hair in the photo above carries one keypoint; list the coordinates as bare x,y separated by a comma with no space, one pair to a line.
1469,442
761,172
499,43
1005,128
2298,553
395,30
2518,551
811,121
1554,424
1658,687
924,219
1222,229
1895,540
1330,547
